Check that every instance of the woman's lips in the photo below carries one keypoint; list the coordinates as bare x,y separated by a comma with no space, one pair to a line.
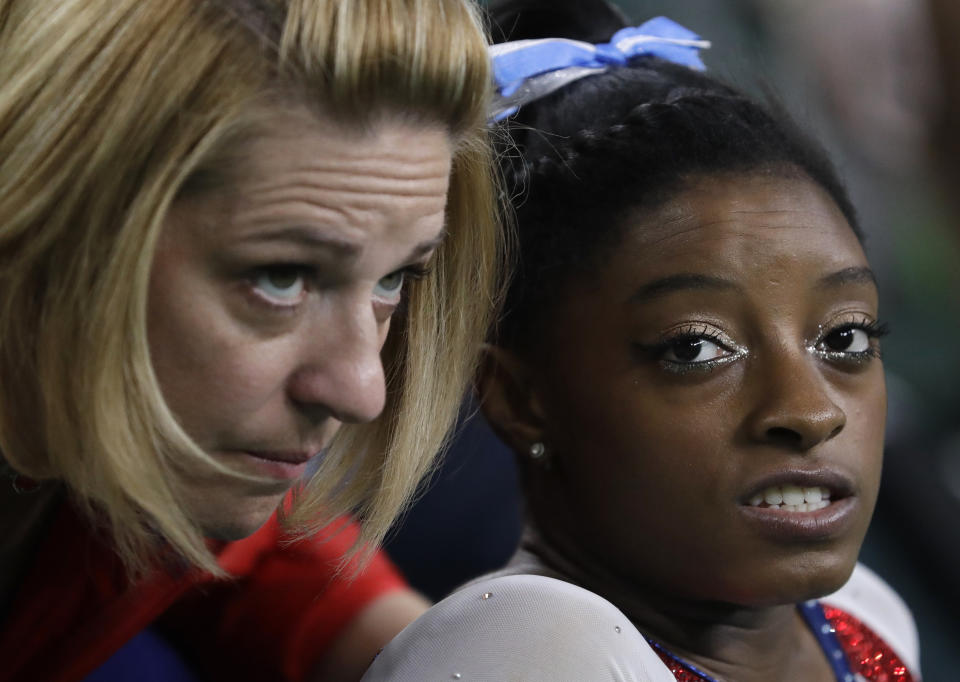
288,457
821,524
830,483
281,465
801,505
793,497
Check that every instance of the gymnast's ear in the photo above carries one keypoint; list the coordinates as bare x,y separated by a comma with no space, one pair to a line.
509,399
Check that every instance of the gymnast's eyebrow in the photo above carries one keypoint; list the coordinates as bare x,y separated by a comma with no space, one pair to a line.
681,282
854,275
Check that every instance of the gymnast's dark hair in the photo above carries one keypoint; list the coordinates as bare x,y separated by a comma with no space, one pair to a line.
577,161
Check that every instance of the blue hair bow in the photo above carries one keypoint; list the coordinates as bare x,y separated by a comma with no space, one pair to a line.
526,70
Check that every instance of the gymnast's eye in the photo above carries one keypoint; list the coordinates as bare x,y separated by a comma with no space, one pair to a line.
692,347
847,339
851,342
693,350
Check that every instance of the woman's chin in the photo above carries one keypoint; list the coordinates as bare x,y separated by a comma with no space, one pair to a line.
813,579
237,519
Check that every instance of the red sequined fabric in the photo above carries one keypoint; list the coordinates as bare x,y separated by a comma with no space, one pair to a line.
866,653
679,670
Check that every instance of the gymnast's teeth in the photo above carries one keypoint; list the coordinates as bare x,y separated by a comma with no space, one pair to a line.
792,495
792,498
802,507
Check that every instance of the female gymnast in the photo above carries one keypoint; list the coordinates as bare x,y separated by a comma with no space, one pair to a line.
689,372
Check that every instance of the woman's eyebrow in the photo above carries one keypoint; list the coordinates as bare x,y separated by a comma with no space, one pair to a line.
312,238
681,282
427,246
853,275
308,237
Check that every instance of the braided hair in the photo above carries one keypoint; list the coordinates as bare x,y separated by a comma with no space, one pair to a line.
578,161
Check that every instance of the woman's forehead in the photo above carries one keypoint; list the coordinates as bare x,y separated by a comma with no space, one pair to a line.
721,221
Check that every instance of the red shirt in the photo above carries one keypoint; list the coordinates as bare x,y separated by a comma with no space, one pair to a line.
75,607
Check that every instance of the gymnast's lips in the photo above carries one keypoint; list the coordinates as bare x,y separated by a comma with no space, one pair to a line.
821,523
838,484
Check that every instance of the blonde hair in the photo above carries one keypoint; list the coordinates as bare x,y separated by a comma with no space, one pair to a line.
110,110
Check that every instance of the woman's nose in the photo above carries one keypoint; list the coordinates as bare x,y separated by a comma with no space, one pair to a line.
794,408
340,371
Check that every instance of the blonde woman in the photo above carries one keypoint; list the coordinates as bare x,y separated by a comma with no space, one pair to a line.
238,239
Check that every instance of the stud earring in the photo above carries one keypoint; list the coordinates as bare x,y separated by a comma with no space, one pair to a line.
537,451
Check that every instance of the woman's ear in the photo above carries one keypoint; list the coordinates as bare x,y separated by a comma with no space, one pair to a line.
509,399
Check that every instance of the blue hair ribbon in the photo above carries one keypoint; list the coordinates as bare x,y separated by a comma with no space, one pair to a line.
527,70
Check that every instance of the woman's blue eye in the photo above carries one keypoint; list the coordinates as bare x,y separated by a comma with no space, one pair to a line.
847,340
284,284
693,349
389,287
